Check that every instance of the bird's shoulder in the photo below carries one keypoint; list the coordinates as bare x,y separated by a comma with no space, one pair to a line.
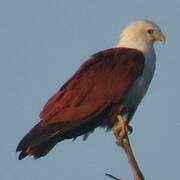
105,76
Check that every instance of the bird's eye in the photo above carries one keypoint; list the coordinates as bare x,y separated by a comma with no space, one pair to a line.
150,31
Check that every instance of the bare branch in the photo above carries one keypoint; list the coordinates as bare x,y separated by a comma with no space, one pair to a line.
124,143
113,177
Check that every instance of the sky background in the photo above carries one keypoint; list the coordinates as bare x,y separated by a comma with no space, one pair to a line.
42,44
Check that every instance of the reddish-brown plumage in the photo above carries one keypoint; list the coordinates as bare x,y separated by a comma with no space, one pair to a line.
90,98
101,80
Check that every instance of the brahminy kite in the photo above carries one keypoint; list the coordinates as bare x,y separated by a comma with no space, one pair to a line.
110,84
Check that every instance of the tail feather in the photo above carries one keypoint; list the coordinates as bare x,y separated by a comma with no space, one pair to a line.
22,155
26,139
38,150
40,140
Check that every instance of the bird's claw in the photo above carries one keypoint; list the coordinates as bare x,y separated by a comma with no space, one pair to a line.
121,128
130,129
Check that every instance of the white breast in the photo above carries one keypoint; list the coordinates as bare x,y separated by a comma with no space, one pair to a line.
140,86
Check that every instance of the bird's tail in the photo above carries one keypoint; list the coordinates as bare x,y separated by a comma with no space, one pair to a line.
41,139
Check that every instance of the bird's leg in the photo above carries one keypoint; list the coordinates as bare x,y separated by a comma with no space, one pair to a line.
121,129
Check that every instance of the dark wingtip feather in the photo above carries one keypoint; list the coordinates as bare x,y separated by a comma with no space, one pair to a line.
22,155
18,148
27,140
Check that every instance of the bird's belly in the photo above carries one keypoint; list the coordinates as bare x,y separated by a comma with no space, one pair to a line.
140,86
136,93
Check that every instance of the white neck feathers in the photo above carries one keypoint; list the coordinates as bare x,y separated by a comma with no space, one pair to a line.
139,44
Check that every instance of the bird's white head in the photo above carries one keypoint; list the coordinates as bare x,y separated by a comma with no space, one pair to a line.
141,35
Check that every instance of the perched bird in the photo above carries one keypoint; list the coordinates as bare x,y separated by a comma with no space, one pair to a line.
105,91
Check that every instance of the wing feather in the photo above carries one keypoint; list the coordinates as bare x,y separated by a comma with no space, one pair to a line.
102,80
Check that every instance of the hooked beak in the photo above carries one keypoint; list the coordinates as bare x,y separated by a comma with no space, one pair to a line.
159,36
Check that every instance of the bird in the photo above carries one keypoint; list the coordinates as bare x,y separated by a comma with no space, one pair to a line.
104,92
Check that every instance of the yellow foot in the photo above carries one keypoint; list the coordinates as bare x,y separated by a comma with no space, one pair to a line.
121,129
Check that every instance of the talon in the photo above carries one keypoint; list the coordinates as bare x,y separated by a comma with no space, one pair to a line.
121,129
130,129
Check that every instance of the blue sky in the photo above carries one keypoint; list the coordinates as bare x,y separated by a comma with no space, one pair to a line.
42,44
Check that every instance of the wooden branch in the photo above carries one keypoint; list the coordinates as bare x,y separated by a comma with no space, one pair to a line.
126,146
124,143
113,177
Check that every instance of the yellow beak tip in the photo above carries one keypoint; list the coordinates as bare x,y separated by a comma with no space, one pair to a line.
162,38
